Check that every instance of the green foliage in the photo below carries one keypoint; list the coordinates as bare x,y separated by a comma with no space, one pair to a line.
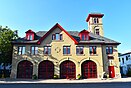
129,72
6,36
34,77
79,77
123,75
55,76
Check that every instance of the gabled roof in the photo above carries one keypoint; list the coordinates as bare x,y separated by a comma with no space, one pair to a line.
54,27
84,31
74,35
29,31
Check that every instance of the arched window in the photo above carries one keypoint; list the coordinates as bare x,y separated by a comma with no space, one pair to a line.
97,31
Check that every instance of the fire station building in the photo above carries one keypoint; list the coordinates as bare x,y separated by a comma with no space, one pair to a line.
66,53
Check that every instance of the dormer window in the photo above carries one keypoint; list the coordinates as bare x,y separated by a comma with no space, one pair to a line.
84,35
30,35
96,20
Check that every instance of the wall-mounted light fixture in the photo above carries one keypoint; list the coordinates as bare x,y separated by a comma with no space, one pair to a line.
78,62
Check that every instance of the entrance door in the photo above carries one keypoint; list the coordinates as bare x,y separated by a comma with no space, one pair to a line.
111,71
25,69
89,69
46,70
67,70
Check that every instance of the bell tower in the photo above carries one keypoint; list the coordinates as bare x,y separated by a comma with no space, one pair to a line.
95,24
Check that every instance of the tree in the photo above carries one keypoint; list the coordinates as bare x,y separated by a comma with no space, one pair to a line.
6,36
129,72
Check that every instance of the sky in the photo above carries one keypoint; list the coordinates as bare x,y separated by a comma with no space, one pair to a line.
41,15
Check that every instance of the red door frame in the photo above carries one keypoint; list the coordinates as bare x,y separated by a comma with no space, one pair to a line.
25,69
111,71
67,70
89,69
46,70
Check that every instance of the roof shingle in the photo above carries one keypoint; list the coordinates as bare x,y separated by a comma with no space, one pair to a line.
93,38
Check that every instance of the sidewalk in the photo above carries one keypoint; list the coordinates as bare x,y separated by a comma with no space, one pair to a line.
65,80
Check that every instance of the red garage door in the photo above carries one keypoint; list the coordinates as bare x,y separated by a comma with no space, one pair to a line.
89,69
25,69
46,70
67,70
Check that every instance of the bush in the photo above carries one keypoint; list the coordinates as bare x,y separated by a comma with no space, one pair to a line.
129,72
79,77
55,76
34,77
123,75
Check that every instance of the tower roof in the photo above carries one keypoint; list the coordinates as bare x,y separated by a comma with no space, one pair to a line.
94,15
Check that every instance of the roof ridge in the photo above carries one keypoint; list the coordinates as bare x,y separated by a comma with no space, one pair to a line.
126,53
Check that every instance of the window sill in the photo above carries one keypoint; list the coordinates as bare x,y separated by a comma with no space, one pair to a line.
34,54
110,58
80,54
47,54
97,23
109,54
21,54
93,54
67,55
57,40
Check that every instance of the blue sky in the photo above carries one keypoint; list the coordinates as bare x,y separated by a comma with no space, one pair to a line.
41,15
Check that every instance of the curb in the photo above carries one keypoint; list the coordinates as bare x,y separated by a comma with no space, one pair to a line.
67,81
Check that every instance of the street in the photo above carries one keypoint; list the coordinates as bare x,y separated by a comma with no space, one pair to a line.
66,85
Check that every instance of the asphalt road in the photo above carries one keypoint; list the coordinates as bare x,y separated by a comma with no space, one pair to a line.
71,85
